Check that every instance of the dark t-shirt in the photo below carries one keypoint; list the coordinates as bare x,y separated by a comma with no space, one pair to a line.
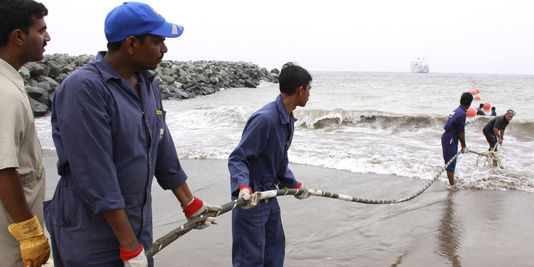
480,112
498,122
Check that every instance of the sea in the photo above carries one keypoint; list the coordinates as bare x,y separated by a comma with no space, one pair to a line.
370,123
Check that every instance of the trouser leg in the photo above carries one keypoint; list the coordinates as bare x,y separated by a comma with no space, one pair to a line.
248,235
275,244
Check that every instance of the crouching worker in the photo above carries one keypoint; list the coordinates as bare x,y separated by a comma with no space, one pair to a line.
111,138
494,129
260,163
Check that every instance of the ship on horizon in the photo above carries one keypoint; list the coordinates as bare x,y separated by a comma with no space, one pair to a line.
419,66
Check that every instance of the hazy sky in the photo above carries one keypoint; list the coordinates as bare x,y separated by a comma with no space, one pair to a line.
373,35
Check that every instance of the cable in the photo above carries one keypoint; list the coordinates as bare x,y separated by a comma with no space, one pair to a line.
189,225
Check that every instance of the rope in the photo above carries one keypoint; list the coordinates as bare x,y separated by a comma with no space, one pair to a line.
492,158
394,201
165,240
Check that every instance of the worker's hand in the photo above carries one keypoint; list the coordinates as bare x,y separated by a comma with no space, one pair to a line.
500,140
251,199
134,258
303,194
34,247
464,150
196,208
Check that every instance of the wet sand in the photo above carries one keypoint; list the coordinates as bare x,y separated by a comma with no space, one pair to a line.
441,227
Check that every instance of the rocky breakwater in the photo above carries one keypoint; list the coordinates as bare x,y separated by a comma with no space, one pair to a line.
177,79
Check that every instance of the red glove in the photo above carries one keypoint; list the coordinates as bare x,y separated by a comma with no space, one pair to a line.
192,207
135,258
196,208
303,194
245,192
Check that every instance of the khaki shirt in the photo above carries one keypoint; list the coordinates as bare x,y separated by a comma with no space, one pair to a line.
19,148
18,138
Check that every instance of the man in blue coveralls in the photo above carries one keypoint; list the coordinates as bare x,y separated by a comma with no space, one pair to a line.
260,163
109,129
454,131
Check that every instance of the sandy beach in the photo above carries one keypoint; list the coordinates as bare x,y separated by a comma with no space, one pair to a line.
441,227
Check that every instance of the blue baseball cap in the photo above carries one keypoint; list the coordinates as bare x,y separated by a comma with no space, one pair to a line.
134,19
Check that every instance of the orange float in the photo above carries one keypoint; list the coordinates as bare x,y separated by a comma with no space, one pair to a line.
487,106
473,92
477,97
471,112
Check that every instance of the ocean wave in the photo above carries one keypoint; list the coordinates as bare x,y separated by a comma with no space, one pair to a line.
319,119
229,116
322,119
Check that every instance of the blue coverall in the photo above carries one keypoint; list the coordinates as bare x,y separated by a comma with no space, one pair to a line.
260,161
110,142
449,140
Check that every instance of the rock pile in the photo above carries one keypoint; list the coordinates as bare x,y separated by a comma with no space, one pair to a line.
177,79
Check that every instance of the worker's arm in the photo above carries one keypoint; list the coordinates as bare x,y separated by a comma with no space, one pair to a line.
119,223
12,195
461,136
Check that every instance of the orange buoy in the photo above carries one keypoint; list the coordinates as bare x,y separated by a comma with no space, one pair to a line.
477,90
477,97
473,92
487,106
471,112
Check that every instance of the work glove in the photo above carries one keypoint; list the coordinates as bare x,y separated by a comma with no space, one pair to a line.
464,150
196,207
34,247
251,199
134,258
303,194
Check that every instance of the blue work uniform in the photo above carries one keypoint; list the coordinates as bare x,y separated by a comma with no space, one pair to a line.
110,142
449,139
260,161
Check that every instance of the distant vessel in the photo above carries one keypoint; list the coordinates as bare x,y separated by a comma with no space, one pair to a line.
419,66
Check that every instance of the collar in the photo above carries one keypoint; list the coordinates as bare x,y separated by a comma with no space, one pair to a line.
282,111
11,74
108,72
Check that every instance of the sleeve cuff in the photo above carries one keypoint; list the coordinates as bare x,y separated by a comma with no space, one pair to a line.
171,182
108,203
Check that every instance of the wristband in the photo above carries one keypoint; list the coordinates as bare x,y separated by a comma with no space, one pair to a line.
298,186
463,146
130,254
193,206
26,229
243,186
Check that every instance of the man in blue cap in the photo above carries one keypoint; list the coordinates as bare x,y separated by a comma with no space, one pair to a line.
111,138
454,131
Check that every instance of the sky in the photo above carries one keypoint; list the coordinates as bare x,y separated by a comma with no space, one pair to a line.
468,36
